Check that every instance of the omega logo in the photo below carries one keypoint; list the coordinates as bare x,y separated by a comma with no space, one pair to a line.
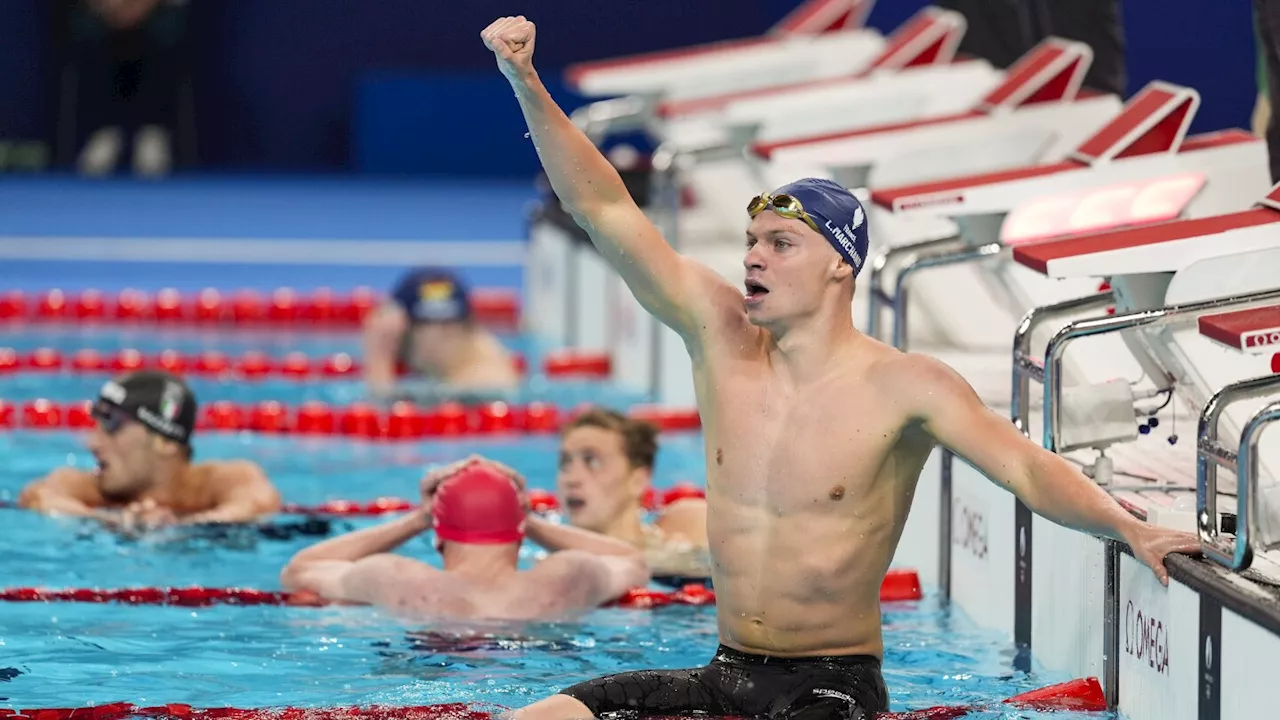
1146,638
1262,338
969,529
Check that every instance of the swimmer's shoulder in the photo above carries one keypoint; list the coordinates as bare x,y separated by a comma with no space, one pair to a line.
722,314
221,471
684,520
222,477
66,480
917,383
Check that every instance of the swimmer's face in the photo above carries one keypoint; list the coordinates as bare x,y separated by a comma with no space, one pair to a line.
596,483
789,269
126,460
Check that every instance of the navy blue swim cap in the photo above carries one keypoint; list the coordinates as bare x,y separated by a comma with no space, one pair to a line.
837,213
432,295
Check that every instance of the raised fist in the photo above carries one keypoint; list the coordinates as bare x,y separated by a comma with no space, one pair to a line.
511,40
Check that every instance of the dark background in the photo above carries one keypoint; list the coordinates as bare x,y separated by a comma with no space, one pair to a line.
406,87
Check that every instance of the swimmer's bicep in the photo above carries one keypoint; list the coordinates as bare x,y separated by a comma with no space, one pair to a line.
952,412
682,293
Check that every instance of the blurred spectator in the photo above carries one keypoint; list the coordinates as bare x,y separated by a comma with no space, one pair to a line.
1267,19
1001,31
124,74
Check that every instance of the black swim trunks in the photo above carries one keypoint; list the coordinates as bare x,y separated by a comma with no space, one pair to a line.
739,684
679,581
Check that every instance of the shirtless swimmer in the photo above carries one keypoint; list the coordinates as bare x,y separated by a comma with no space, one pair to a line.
815,437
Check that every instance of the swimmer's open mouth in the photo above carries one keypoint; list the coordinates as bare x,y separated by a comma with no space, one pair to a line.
755,290
574,503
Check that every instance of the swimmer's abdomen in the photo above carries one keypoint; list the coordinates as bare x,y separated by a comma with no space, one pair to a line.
801,584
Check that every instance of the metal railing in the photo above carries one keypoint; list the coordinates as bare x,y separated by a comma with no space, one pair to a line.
1025,367
1050,373
1057,346
918,259
1210,455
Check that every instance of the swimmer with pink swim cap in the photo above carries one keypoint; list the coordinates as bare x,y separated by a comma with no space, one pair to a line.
479,514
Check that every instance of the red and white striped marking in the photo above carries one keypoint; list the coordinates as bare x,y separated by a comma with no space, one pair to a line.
255,365
283,307
402,421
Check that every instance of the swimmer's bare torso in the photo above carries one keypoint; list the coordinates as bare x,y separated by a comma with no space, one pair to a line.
809,488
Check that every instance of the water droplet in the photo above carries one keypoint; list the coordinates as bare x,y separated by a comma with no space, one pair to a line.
526,136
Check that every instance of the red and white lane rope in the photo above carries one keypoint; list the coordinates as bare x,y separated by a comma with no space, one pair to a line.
402,421
540,501
899,585
255,365
322,308
1080,695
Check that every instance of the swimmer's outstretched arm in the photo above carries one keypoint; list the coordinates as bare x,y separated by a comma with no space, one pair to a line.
1052,487
681,293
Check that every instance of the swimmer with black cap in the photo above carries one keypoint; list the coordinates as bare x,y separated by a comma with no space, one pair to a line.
141,440
815,436
427,323
480,515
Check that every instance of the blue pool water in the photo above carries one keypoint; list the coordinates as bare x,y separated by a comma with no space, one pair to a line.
66,654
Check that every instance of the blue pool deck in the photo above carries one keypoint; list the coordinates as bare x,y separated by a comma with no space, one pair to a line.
256,232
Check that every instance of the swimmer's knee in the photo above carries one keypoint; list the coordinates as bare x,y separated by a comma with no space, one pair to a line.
556,707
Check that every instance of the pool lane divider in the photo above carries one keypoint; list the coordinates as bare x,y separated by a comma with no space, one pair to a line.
1080,695
540,501
899,585
322,308
255,365
401,421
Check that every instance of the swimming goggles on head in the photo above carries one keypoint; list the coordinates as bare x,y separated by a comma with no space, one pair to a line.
110,417
785,205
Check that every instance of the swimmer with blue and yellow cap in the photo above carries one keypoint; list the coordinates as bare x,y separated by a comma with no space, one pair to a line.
427,323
